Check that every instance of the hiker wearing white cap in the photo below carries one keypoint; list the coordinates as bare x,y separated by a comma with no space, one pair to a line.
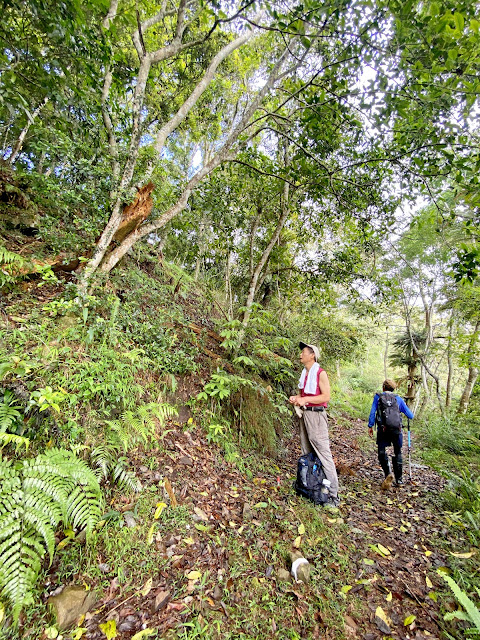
312,404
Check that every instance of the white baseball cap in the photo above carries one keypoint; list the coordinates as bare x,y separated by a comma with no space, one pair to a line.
315,349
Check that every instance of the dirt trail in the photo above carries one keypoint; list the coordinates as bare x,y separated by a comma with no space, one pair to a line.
393,565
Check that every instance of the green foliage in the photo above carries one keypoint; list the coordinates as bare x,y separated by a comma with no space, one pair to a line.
222,385
454,435
139,426
452,445
133,428
471,612
10,265
110,465
403,353
10,412
35,497
46,399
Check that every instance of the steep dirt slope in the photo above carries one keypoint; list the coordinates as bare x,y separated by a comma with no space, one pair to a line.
213,558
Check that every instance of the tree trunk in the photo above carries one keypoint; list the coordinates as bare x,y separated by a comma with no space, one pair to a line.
467,391
411,385
448,396
472,371
146,62
385,355
223,155
23,134
252,287
198,262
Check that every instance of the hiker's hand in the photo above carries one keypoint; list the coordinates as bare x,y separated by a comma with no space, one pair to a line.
293,399
301,402
370,432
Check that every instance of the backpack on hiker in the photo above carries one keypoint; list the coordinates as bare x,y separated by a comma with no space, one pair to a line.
388,413
310,479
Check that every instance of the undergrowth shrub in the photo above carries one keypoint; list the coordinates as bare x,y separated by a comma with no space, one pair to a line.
258,420
104,377
452,445
356,403
469,613
10,266
36,495
457,435
153,316
121,435
256,412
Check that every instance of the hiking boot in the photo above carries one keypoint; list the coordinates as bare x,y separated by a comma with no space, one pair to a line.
399,482
398,470
333,502
387,483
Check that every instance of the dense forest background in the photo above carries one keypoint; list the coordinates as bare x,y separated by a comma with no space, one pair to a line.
187,189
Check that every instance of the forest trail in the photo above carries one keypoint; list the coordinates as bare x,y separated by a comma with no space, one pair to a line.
213,560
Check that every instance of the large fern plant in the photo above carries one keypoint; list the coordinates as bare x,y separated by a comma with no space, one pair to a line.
139,426
10,264
10,411
133,428
35,497
10,419
470,612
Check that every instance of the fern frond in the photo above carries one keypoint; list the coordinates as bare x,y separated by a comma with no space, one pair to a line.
54,487
21,557
10,412
12,438
140,425
9,265
125,478
70,466
102,459
83,509
469,606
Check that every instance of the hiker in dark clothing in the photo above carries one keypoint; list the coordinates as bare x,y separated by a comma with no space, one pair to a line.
389,429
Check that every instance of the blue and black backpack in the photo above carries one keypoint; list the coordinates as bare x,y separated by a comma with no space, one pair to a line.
310,477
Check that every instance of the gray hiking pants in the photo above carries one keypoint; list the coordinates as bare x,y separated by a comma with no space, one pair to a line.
314,437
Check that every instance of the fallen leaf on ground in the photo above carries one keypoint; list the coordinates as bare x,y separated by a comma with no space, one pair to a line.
145,633
109,629
158,511
147,587
168,488
201,514
467,554
194,575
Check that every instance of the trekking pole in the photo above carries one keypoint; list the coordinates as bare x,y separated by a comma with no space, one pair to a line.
409,450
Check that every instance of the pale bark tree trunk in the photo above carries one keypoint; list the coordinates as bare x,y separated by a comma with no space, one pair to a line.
223,155
253,234
201,250
146,61
467,391
425,367
252,288
385,355
228,286
448,394
472,371
21,138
